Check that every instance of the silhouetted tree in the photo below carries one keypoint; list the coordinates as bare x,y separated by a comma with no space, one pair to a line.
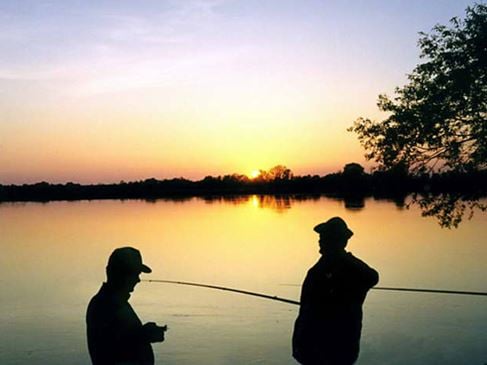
278,172
438,120
353,170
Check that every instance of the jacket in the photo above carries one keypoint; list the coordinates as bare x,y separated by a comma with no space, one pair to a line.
114,331
329,324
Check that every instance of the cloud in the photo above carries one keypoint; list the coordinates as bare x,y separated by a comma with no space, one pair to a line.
84,41
158,72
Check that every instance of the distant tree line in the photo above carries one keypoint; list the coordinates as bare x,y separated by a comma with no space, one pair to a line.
352,181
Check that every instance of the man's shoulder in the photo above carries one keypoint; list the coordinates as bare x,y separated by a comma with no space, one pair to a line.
350,259
102,304
317,267
361,267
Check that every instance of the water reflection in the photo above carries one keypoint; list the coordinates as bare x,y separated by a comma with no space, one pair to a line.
175,198
282,203
229,199
448,209
354,202
277,203
54,254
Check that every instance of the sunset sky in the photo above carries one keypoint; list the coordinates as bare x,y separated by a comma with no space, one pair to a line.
103,91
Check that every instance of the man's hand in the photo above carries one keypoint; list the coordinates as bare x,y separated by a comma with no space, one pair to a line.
153,332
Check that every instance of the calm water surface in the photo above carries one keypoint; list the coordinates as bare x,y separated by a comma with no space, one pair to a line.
53,259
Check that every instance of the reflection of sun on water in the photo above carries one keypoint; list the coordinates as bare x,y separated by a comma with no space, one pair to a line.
254,201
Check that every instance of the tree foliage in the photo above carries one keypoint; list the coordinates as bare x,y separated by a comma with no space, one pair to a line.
276,173
353,169
438,121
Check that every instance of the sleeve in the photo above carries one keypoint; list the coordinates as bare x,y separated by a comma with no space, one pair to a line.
364,276
126,328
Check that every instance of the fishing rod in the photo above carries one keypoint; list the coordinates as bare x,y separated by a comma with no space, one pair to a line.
290,301
434,291
260,295
422,290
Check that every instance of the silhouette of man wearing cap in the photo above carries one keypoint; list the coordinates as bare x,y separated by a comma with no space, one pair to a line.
115,333
327,330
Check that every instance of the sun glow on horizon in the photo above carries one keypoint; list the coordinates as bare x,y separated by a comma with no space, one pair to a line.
196,88
254,174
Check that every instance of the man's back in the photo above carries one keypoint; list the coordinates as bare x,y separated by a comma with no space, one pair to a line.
114,331
328,328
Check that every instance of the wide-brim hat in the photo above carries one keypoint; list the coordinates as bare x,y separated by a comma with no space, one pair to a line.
334,227
127,259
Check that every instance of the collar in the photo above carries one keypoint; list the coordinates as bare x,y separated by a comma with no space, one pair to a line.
117,295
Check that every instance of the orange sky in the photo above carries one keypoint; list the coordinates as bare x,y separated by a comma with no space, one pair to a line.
120,91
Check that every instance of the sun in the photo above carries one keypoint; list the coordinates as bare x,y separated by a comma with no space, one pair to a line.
254,174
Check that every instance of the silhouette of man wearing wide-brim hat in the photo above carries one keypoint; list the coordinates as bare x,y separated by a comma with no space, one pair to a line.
329,324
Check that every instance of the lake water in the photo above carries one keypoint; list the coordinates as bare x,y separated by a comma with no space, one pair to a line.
53,259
